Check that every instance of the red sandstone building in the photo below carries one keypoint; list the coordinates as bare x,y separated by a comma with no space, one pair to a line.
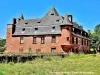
52,33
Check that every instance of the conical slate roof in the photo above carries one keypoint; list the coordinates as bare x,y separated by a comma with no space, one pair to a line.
52,11
21,16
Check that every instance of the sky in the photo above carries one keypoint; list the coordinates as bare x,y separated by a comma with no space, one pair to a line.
85,12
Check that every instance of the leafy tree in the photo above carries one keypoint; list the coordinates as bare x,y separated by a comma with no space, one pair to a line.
2,45
95,38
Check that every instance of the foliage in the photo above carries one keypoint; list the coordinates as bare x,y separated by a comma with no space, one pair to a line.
2,45
73,63
95,38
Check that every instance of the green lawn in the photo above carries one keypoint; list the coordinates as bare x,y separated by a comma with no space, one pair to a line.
47,65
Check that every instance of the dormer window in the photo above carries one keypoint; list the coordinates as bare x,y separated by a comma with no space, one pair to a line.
52,14
57,20
39,22
26,22
23,29
53,27
36,29
73,29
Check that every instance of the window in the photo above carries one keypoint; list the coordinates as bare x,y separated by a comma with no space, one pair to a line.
52,14
67,38
72,29
53,27
36,29
42,40
26,22
67,28
76,40
23,29
82,41
57,20
38,21
21,40
53,39
53,50
34,40
72,40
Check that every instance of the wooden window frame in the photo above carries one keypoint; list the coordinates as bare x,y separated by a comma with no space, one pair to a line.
21,40
53,39
34,40
42,40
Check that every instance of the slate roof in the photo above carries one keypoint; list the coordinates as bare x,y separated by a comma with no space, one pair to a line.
44,25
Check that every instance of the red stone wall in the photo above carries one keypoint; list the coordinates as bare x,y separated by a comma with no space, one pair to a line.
13,43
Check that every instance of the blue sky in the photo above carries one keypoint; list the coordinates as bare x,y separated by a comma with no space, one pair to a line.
85,12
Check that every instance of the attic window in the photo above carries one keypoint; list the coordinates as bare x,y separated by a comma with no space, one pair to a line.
39,22
53,27
23,29
36,28
52,14
57,20
26,22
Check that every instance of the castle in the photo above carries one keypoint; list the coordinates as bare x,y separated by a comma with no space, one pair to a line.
51,34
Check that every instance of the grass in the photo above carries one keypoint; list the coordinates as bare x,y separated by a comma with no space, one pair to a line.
47,65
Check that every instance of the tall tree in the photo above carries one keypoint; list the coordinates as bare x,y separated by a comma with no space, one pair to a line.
2,45
95,38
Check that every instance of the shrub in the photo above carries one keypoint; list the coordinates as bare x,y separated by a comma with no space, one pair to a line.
11,63
47,58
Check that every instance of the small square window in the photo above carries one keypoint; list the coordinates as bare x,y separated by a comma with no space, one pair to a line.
26,22
36,28
53,39
38,22
52,14
67,38
57,20
53,27
67,28
23,29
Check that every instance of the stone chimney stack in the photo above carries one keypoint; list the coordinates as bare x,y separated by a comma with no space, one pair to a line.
14,21
70,18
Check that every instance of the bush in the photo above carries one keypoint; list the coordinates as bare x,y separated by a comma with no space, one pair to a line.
47,58
11,63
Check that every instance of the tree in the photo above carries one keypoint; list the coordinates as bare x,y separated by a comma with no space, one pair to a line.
2,45
95,38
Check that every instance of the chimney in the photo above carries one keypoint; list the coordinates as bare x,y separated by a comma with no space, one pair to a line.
70,18
14,21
